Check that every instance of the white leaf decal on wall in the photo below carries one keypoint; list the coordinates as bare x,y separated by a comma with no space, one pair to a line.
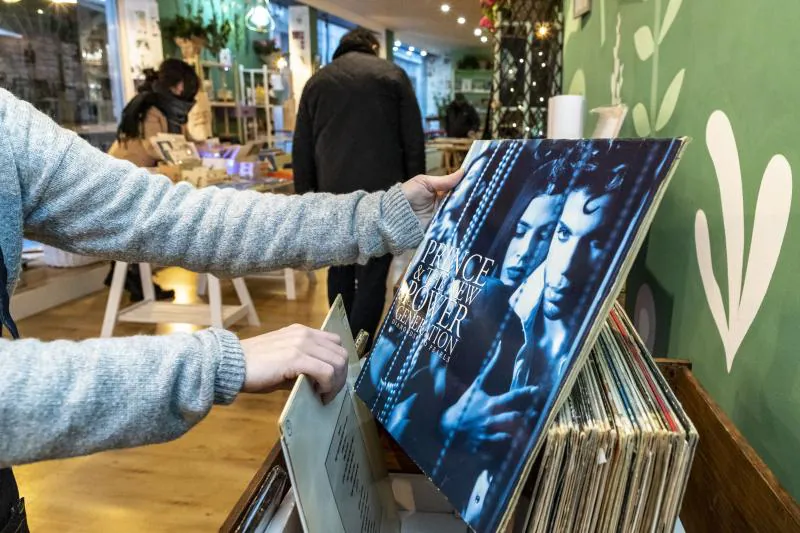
669,17
670,100
578,84
641,122
643,39
745,292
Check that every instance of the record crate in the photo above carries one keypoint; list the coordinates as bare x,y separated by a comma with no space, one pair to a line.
730,488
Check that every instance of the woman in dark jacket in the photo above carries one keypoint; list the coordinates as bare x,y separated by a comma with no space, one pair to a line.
162,106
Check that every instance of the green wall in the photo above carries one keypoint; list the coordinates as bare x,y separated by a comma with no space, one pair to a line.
734,58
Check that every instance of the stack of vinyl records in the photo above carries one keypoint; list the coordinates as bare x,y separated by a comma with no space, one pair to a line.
619,454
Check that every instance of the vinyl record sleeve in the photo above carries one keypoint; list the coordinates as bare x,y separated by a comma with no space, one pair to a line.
501,304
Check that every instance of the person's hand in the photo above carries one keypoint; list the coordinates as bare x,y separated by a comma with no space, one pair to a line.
487,420
423,191
275,360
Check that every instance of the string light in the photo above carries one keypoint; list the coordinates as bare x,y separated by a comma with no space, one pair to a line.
544,65
541,54
395,49
11,1
412,49
461,20
398,44
542,30
445,8
424,53
478,32
40,11
484,39
281,63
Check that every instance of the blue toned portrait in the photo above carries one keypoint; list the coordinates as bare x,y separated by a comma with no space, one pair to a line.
496,306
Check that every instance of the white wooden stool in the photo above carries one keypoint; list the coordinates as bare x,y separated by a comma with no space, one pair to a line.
150,311
287,275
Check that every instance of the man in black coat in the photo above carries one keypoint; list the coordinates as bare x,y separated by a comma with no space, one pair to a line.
359,127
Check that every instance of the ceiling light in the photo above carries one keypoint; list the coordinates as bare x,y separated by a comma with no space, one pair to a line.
411,49
398,44
259,18
484,39
445,8
461,20
478,32
423,53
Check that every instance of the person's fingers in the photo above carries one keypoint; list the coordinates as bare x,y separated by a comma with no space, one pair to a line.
298,331
516,398
504,421
498,438
334,355
320,372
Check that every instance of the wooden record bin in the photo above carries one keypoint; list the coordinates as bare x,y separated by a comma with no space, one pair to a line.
730,489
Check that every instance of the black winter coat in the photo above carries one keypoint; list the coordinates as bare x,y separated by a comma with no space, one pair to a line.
359,127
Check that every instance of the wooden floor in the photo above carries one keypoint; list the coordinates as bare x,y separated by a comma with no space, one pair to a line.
186,485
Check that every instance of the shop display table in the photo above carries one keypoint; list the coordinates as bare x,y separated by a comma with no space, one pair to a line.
453,151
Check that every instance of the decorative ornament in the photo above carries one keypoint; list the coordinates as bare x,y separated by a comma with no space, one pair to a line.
259,17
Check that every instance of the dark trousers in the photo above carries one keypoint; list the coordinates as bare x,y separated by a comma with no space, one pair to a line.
363,290
12,508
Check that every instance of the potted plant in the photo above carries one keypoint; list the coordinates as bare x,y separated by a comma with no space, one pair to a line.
192,34
267,50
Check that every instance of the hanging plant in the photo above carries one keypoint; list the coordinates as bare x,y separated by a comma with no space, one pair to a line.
491,10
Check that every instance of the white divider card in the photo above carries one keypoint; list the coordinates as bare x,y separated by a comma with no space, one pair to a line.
331,453
348,471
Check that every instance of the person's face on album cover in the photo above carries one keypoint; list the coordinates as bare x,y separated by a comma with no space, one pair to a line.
532,235
577,247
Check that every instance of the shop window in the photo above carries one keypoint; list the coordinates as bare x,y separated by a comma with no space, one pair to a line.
414,67
329,33
55,56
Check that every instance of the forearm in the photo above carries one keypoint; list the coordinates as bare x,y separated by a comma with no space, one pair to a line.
226,232
79,199
64,399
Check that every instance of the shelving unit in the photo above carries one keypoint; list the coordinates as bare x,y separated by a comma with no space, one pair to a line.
224,113
476,87
257,120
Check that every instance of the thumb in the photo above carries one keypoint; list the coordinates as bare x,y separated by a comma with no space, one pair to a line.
444,183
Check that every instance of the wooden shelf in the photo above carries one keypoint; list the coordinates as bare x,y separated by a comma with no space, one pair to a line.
171,313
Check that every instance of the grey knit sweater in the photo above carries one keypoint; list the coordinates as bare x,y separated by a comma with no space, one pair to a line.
61,399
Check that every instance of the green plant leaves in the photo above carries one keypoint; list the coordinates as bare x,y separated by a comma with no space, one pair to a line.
641,122
669,17
643,39
670,100
578,84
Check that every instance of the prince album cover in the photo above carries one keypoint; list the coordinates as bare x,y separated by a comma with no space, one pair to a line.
501,303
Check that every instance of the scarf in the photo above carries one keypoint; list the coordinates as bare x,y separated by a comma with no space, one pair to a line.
174,108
